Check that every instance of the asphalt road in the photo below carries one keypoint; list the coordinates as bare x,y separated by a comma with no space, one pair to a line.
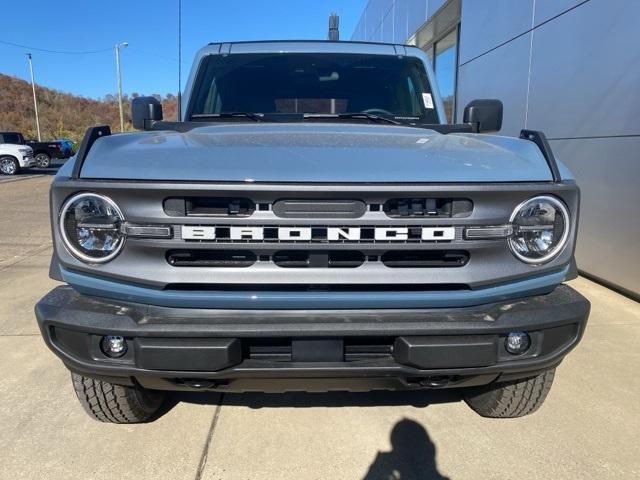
589,427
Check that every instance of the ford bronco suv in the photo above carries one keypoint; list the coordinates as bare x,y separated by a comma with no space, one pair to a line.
312,224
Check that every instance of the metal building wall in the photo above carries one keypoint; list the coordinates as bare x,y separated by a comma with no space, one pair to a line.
393,21
570,68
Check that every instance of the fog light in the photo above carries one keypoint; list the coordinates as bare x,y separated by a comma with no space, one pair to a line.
113,346
517,343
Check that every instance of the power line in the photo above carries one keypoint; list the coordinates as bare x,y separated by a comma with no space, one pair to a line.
63,52
88,52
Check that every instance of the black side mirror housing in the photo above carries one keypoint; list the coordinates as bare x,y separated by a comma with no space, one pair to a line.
484,114
144,111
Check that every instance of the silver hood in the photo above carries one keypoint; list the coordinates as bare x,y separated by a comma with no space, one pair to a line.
314,152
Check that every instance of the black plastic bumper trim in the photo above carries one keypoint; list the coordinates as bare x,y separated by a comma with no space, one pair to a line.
562,314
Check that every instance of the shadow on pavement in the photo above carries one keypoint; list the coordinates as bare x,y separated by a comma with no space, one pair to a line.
52,169
40,171
412,455
30,172
418,398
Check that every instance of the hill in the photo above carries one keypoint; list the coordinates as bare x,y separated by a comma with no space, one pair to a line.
63,115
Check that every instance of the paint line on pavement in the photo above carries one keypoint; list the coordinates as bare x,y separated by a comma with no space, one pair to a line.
205,452
24,177
29,253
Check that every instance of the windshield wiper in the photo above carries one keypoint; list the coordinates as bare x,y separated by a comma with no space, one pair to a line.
258,117
363,115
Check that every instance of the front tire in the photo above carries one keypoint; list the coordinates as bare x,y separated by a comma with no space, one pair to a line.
511,399
9,165
112,403
43,160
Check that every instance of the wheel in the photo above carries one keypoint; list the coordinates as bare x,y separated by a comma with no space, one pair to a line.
107,402
43,160
511,399
9,165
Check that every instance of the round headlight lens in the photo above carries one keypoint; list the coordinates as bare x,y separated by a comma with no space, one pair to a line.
540,229
90,227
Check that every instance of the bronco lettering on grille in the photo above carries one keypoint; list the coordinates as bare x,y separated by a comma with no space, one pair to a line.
315,234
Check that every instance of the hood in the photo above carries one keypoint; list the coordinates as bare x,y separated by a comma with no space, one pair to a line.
13,148
314,152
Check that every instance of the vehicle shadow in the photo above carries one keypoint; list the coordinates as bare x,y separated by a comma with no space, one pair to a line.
415,398
40,171
412,455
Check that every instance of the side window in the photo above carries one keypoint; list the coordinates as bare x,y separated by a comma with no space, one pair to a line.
10,138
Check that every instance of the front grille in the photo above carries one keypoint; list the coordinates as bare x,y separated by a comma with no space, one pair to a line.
211,258
257,263
319,259
428,207
425,259
319,208
208,207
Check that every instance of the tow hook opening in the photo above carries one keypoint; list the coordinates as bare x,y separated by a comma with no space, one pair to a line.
199,383
430,382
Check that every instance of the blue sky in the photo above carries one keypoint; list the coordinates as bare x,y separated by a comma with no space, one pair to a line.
149,65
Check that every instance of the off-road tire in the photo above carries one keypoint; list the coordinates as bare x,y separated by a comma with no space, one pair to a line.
43,160
511,399
107,402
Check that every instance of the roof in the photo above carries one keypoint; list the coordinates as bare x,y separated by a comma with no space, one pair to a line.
310,46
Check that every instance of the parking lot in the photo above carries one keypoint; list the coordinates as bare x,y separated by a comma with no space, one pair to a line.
588,428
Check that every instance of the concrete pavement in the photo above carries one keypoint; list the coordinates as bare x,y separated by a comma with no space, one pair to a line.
588,428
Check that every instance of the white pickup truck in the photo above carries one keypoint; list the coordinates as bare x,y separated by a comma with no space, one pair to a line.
15,157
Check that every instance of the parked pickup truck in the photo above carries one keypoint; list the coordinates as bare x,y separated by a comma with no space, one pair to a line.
312,224
15,157
43,151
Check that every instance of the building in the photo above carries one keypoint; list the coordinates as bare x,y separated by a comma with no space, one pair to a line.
570,68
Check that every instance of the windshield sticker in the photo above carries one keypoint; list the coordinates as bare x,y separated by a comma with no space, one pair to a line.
428,101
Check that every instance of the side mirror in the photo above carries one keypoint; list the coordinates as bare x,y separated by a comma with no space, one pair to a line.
485,114
144,110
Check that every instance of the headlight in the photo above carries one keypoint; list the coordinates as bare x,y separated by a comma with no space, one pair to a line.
90,227
540,229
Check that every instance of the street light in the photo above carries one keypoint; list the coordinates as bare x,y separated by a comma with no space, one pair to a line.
117,48
35,102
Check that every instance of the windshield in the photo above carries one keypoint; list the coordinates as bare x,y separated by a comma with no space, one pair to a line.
315,83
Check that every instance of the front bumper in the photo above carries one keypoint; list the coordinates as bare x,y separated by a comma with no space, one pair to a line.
28,162
276,350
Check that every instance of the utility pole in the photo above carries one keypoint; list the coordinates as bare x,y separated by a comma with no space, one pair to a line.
179,60
35,101
117,47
